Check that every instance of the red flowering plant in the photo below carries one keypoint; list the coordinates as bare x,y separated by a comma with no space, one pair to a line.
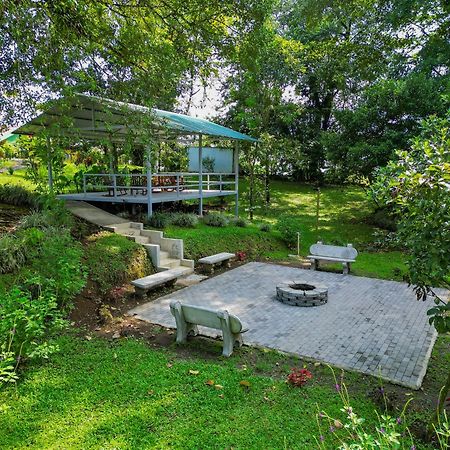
299,377
241,256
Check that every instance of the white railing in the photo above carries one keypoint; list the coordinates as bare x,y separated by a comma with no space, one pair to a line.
137,184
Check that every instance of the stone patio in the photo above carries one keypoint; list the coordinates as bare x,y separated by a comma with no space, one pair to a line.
372,326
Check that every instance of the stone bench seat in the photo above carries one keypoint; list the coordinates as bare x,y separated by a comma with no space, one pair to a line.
332,253
187,317
142,285
208,262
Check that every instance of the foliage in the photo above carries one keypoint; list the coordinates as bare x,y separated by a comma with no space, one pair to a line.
16,249
299,377
26,321
417,185
19,196
239,222
158,220
289,226
112,260
208,164
215,220
353,431
264,227
184,220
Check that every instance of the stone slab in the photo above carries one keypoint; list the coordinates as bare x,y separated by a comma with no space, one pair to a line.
191,280
214,259
368,325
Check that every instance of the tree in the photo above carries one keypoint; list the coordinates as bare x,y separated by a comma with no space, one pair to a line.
418,186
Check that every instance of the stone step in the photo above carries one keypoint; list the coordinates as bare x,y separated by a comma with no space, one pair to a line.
169,263
141,240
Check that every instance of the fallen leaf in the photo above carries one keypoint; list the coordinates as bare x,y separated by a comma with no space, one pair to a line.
116,335
169,365
218,386
151,392
193,372
266,398
317,364
210,382
221,395
88,338
245,383
338,423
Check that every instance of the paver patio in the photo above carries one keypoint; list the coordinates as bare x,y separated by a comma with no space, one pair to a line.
368,325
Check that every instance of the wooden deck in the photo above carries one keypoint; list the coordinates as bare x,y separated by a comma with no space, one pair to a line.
156,197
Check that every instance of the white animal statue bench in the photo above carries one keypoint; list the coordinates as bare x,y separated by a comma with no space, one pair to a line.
220,258
332,253
188,317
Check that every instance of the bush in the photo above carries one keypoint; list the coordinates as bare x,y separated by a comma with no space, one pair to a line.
158,220
215,220
113,260
265,227
288,227
184,220
25,322
19,196
58,216
239,222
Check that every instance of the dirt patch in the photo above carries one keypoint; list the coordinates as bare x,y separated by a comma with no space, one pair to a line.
10,217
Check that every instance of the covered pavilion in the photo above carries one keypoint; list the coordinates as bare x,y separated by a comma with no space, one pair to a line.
96,119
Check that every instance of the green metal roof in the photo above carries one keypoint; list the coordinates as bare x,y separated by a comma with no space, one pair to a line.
95,118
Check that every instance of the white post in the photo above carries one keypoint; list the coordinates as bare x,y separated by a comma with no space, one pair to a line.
220,182
148,166
84,184
236,177
49,164
200,174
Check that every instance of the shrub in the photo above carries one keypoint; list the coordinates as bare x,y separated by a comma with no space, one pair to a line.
25,322
12,253
113,260
158,220
239,222
57,216
184,220
19,196
288,227
265,227
215,220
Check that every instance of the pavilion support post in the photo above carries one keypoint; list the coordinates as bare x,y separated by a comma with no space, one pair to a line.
148,170
200,174
236,177
49,164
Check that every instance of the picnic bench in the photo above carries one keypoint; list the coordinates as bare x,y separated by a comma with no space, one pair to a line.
187,317
208,262
332,253
143,285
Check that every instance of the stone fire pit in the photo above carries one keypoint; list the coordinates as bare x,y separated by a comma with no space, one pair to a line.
299,293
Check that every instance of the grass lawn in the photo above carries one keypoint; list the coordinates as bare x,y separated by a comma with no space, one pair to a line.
343,219
123,394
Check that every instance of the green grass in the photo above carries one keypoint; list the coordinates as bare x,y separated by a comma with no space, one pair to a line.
343,216
18,177
97,394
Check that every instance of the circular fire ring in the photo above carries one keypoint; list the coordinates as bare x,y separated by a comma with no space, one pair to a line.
300,293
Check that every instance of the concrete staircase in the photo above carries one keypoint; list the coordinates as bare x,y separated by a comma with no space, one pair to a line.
165,253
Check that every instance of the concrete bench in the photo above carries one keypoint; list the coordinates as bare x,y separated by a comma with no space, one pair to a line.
220,258
332,253
142,285
188,317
